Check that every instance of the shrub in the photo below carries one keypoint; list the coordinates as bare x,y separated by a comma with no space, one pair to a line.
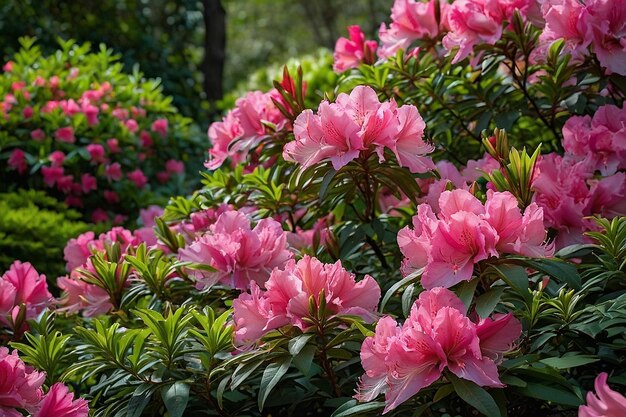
36,228
103,141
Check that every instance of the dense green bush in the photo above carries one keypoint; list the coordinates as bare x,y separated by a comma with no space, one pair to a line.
35,228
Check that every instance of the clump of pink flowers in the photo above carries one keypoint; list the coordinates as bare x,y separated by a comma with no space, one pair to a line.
412,20
436,337
605,402
465,231
288,292
350,53
243,127
359,123
20,389
23,295
239,253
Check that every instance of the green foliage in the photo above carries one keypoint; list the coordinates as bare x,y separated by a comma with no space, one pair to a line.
35,228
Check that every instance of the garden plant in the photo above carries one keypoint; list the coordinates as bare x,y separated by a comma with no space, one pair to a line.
438,230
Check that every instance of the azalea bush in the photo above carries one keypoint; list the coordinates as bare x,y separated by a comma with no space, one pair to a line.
105,142
443,235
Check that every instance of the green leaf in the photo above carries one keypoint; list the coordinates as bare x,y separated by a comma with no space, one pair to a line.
475,396
139,401
352,408
297,343
466,292
515,276
548,393
486,303
304,359
407,297
175,398
395,287
567,362
564,272
271,376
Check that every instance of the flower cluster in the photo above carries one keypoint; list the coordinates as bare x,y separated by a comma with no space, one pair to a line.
412,20
598,24
350,53
289,292
23,295
20,389
357,123
568,187
437,335
243,127
239,253
465,231
80,295
88,140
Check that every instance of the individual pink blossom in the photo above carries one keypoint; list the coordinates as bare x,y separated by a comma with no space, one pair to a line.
69,107
113,145
99,216
111,196
96,152
131,125
120,114
436,335
355,123
605,20
174,166
27,112
471,24
51,175
77,250
26,287
65,183
88,183
286,300
239,253
78,295
17,161
564,19
57,158
159,126
607,196
138,178
38,135
65,134
20,385
411,20
163,177
113,171
8,66
55,82
91,112
605,402
145,139
350,53
221,135
148,215
60,402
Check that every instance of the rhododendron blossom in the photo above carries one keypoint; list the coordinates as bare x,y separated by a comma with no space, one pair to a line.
20,385
286,300
23,285
605,402
412,20
464,232
60,402
239,253
350,53
359,122
437,335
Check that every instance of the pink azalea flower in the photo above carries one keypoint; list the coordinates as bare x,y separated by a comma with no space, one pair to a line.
221,135
60,402
78,250
436,335
69,107
159,126
471,24
120,114
22,284
111,196
20,385
355,123
350,53
138,178
113,171
8,66
99,216
57,158
51,175
91,113
27,112
605,402
113,145
287,297
145,139
605,19
239,253
17,161
38,135
96,152
131,125
65,134
81,296
88,183
174,166
411,20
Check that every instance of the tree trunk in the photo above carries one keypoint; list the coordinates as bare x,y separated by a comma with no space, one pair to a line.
214,49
